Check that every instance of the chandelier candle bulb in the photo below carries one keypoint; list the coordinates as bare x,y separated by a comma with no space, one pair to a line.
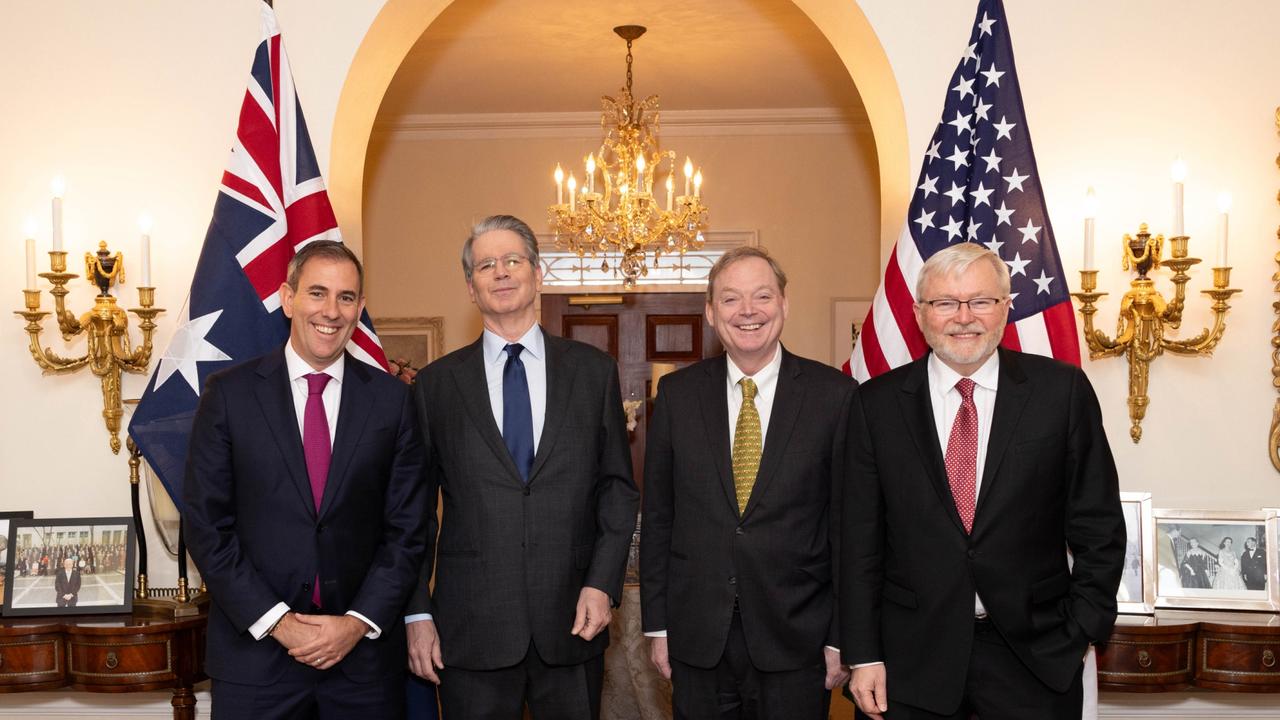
590,182
144,224
1179,173
671,187
640,173
573,185
560,185
58,186
688,174
1090,213
1224,207
697,184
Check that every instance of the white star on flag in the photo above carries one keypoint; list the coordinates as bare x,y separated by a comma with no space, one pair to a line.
925,220
952,228
956,193
1003,214
992,75
981,194
1017,266
961,123
985,25
992,160
932,153
973,230
994,245
1029,232
980,110
930,185
1042,283
964,87
1003,127
959,157
1015,180
189,347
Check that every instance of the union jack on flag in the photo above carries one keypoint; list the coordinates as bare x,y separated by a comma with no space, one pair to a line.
979,184
271,202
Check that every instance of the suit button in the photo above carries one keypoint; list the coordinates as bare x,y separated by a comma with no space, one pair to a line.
739,531
306,587
526,489
972,554
733,580
320,528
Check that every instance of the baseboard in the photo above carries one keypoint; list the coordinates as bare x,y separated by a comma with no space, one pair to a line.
69,705
1190,705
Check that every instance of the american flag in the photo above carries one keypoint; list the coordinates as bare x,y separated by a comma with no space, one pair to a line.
979,184
271,202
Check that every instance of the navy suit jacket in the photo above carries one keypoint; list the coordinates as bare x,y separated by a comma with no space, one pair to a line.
253,530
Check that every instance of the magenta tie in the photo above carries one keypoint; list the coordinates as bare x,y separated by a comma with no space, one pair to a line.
316,448
962,455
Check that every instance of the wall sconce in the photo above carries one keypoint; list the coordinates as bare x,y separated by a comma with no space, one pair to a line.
1145,314
106,326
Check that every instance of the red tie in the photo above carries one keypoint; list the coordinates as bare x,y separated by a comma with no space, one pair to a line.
962,455
316,447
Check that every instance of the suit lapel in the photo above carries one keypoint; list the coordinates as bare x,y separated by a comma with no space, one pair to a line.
275,397
715,420
473,388
788,398
917,411
559,387
353,416
1012,393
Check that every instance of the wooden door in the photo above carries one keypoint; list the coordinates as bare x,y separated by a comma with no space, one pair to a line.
637,329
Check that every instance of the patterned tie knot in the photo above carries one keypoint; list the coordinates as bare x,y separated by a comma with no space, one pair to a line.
965,386
316,383
748,389
514,350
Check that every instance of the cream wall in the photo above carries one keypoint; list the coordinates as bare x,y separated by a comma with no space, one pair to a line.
422,197
134,102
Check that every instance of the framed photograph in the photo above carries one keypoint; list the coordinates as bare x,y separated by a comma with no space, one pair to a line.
5,517
1137,593
411,341
69,566
847,316
1223,560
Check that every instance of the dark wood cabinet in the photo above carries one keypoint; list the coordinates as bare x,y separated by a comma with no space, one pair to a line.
1232,652
107,653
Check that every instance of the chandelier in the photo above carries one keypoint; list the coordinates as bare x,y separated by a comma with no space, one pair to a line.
614,209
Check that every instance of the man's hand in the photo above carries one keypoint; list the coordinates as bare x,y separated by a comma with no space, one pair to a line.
290,633
868,689
658,654
424,650
335,635
837,673
593,613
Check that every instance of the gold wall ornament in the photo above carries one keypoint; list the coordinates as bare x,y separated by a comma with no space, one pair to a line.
105,327
620,215
1145,314
1273,444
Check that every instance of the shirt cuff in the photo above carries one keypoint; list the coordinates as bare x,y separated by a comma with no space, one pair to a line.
656,633
374,630
417,617
832,648
260,629
862,665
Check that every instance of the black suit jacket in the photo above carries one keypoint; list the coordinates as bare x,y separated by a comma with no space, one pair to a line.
62,585
253,530
909,569
698,553
511,558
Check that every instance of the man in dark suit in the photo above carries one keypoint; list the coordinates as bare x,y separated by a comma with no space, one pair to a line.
975,470
527,448
1253,565
305,513
743,455
67,584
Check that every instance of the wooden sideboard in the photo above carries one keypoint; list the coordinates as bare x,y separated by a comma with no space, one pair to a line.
1176,650
104,653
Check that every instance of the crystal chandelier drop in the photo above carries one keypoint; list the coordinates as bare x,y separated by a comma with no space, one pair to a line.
614,209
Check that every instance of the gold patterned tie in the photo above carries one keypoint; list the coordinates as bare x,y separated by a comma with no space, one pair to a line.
747,443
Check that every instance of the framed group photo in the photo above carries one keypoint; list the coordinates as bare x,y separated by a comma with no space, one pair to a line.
69,566
1224,560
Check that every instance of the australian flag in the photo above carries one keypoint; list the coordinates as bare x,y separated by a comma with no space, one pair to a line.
271,202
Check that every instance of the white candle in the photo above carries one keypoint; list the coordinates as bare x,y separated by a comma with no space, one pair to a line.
573,196
144,224
58,186
1179,173
688,175
1090,212
1224,207
559,185
589,183
31,263
640,173
697,184
671,187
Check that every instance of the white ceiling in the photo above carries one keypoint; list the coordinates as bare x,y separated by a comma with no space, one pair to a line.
529,56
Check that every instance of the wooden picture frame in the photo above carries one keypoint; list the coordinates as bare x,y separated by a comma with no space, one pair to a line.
1137,591
846,312
1198,568
419,340
101,554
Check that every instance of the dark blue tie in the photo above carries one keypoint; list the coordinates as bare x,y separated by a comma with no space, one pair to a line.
517,415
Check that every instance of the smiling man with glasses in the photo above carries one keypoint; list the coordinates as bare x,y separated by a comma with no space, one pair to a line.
975,469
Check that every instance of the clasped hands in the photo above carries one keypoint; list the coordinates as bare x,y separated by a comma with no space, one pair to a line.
319,641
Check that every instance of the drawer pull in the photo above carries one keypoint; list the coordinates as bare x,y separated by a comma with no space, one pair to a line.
1,659
1268,658
112,661
1144,659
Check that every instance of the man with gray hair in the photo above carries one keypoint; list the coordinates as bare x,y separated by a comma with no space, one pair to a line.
975,469
528,453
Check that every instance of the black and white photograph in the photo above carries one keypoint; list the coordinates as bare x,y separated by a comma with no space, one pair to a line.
5,517
69,566
1214,559
1137,591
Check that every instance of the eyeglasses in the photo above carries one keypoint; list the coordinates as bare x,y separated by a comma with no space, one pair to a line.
509,262
947,307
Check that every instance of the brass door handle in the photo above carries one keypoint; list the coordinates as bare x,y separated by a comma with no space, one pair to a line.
1268,658
1144,659
112,661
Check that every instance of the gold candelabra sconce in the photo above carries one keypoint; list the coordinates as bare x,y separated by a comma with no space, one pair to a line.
1146,316
105,327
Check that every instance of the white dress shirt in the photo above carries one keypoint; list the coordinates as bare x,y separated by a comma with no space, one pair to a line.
298,370
534,358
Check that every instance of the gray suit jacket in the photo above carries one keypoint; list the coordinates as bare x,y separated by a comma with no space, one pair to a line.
512,558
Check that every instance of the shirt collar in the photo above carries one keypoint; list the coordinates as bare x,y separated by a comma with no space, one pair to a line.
943,378
298,367
764,378
533,341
